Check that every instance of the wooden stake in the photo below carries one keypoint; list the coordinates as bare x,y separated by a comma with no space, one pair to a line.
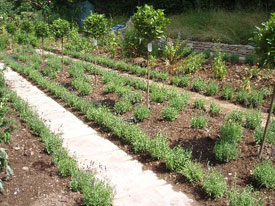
266,125
148,81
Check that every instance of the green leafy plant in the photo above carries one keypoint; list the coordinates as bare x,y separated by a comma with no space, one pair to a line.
219,67
253,119
159,147
141,113
177,158
149,23
96,26
264,174
198,84
255,98
199,122
265,42
181,81
169,113
123,106
225,151
250,59
231,132
159,95
191,64
4,164
242,97
83,86
193,172
214,184
244,197
270,136
212,88
228,92
179,102
214,109
234,58
199,104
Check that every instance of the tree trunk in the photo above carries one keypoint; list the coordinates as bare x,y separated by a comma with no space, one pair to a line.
62,45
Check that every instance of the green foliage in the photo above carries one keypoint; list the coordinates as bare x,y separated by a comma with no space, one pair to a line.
214,184
193,172
231,132
199,122
253,119
60,28
123,106
169,113
141,113
214,109
228,92
264,174
4,164
244,197
270,136
242,97
265,42
96,26
81,85
149,23
177,158
198,84
219,67
191,64
11,28
27,26
255,98
181,81
225,151
42,29
158,95
179,102
212,88
234,58
159,147
250,59
199,104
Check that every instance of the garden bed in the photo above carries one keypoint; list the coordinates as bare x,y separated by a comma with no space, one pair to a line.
179,132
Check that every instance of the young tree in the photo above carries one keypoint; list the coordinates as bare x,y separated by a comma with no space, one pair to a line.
150,24
61,29
42,31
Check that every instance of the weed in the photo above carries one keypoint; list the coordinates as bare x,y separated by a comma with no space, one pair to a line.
219,67
199,122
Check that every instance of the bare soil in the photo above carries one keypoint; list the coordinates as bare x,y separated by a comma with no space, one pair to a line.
36,181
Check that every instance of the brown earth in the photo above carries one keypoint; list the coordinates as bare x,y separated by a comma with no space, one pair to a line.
36,181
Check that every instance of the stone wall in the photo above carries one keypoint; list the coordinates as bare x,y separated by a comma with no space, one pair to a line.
242,50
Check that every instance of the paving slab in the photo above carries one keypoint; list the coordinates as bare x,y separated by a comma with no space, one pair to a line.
133,185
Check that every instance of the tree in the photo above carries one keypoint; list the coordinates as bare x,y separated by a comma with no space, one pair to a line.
265,42
42,31
150,25
61,29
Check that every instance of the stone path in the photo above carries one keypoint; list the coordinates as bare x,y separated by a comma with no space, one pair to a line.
226,107
133,185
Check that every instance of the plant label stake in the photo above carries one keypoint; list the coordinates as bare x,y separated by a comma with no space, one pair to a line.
149,48
95,44
267,122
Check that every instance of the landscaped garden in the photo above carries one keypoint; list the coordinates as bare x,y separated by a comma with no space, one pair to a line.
137,91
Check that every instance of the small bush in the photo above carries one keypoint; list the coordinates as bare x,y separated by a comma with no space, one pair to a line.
242,97
225,151
234,58
219,67
181,81
159,147
244,197
231,132
255,98
81,85
141,113
198,85
169,113
122,106
193,172
110,87
199,104
199,122
179,102
236,117
212,88
158,95
214,184
191,64
270,136
215,109
264,174
228,93
250,59
177,158
253,119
